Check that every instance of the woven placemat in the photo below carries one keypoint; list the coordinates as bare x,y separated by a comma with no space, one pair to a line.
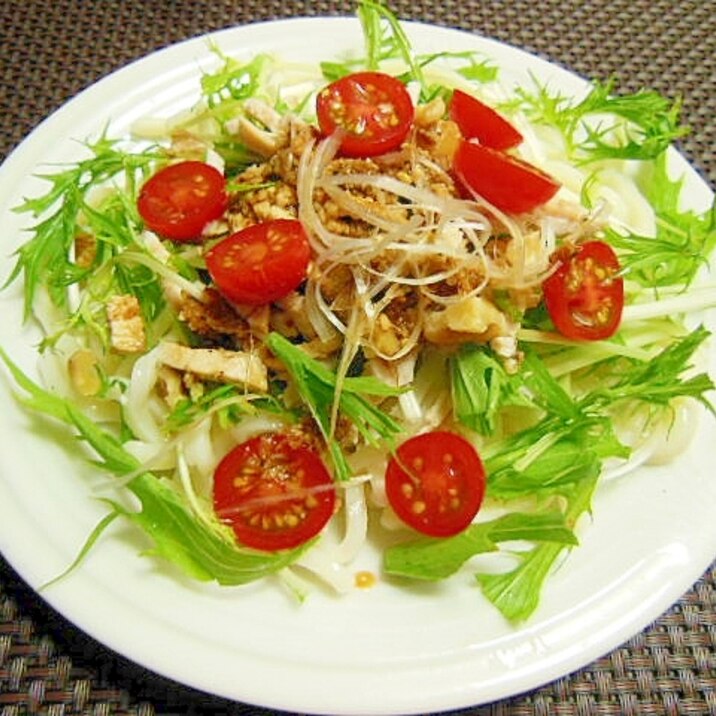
50,51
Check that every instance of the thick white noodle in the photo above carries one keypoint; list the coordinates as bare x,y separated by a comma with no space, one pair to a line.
199,453
139,400
151,455
330,559
184,472
657,441
355,513
321,563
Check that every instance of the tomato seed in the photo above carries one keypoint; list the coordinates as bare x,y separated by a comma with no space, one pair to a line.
418,507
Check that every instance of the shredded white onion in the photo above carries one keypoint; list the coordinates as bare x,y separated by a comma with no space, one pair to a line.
415,240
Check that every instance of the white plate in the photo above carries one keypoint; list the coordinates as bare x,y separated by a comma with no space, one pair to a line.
378,651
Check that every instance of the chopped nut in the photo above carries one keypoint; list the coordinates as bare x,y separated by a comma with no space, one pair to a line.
186,145
429,113
126,324
84,374
441,140
474,318
256,139
264,113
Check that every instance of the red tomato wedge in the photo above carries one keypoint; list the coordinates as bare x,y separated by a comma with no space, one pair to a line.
261,263
435,483
178,201
477,120
273,492
372,109
585,295
511,185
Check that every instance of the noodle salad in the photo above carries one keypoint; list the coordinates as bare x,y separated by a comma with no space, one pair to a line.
386,300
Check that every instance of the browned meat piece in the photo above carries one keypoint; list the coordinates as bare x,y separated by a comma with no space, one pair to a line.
217,364
85,250
213,317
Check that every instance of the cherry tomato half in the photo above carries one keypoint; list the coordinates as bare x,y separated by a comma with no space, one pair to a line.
261,263
373,109
435,483
511,185
585,295
179,200
273,492
477,120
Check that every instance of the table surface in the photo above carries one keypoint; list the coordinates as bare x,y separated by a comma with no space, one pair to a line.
51,51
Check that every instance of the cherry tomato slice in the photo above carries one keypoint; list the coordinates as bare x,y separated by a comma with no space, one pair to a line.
261,263
178,201
373,109
511,185
273,492
585,295
477,120
435,483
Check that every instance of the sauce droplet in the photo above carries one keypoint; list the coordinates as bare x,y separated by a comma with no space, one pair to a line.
365,580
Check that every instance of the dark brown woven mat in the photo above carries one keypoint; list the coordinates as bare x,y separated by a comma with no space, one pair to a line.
51,50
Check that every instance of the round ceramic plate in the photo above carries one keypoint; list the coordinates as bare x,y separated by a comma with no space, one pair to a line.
378,651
